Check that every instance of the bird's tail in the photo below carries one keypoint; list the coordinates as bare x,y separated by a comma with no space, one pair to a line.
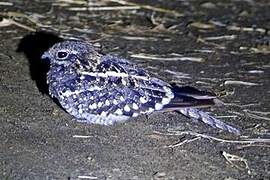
206,118
186,100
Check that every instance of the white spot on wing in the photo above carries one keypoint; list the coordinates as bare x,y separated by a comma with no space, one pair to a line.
103,114
135,106
122,98
82,77
150,110
119,112
93,88
93,106
115,102
165,100
135,114
99,104
80,111
107,102
124,82
143,99
126,108
170,95
169,92
158,106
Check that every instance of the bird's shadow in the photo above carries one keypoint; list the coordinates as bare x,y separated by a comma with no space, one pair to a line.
33,46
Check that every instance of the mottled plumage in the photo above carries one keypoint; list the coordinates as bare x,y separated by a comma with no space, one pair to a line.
104,89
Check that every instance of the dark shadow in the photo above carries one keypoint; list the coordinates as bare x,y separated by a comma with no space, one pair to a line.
33,46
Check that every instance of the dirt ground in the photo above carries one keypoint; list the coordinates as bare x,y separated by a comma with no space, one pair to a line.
220,46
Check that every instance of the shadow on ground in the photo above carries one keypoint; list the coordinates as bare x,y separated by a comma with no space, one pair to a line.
33,46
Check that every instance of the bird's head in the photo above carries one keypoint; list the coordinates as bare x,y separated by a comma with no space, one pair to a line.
67,52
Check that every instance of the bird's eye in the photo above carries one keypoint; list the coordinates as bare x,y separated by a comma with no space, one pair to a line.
62,54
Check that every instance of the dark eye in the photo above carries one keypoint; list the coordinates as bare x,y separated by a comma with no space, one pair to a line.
62,54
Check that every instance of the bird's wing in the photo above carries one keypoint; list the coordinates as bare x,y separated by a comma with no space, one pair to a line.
124,89
125,85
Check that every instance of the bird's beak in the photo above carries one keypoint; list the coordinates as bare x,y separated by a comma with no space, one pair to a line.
45,55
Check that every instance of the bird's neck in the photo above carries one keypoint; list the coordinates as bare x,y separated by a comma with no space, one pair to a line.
60,73
60,77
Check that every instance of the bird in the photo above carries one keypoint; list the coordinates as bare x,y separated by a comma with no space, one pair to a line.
105,89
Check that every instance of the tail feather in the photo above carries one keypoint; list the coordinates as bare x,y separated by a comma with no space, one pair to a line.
187,96
204,117
192,92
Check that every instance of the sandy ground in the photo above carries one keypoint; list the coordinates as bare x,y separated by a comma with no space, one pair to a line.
225,47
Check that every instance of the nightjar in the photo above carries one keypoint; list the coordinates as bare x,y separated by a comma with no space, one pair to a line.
105,89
